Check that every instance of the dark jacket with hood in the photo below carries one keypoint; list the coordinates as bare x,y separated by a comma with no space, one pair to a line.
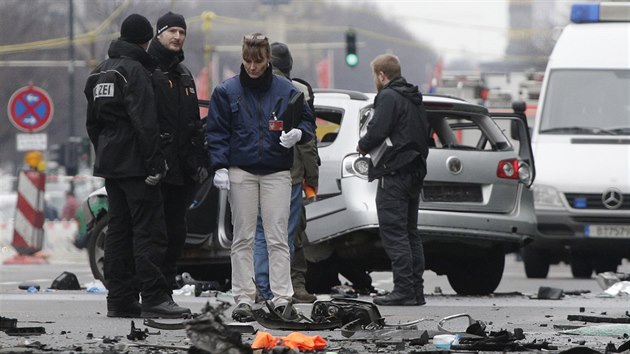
182,137
399,115
121,117
238,123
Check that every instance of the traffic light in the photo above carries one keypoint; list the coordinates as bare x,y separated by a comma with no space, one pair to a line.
57,153
72,153
352,59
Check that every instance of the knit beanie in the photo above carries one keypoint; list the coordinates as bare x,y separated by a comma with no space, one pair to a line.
170,19
136,29
281,58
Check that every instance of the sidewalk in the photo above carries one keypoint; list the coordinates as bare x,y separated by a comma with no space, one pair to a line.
58,243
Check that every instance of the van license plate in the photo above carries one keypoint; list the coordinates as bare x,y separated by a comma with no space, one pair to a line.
607,230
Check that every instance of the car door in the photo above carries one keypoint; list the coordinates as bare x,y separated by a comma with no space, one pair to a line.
465,166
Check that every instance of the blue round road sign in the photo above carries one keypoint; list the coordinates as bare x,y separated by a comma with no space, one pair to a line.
30,109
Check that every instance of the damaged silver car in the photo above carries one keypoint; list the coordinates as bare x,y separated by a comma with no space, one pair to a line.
476,204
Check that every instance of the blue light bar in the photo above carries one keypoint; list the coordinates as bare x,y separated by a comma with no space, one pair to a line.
618,11
584,13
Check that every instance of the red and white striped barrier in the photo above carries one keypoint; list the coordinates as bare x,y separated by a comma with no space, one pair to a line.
28,227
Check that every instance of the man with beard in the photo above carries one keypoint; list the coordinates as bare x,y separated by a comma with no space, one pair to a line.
182,138
399,118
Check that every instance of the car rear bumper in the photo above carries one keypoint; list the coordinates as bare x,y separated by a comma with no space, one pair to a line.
355,209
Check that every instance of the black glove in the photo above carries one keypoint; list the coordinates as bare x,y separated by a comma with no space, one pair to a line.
202,175
155,179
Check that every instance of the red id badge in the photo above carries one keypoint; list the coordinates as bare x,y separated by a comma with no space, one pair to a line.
275,125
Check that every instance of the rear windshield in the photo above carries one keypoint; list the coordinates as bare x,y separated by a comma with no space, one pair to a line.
457,131
588,102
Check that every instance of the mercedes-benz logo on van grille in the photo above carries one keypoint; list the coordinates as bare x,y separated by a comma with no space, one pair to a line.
454,165
612,198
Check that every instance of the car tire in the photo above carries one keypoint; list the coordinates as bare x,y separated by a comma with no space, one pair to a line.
536,263
603,264
478,274
581,266
96,249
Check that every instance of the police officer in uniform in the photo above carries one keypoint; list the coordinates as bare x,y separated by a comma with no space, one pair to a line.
122,125
400,117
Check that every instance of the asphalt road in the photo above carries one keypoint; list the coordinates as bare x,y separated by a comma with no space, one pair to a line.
75,320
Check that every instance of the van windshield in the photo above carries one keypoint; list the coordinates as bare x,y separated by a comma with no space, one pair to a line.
587,102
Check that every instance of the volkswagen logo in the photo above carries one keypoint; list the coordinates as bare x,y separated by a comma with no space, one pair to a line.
612,198
454,165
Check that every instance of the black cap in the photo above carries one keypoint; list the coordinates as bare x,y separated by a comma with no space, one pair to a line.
281,58
170,19
136,29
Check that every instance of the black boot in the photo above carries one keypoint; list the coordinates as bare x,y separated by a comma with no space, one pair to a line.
396,299
420,296
167,309
124,309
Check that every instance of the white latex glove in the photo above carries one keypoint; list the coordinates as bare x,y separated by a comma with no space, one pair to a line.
221,179
291,138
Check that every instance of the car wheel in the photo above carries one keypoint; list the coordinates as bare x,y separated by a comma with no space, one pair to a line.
96,249
536,263
604,264
581,266
478,274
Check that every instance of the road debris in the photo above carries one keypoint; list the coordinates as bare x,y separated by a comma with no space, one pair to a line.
9,326
66,281
209,332
598,319
199,286
605,330
549,293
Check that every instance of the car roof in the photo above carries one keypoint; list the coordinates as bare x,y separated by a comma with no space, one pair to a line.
431,101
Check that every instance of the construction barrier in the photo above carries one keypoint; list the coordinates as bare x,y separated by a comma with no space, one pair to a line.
28,227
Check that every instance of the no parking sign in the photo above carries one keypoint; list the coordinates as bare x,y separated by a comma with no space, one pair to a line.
30,109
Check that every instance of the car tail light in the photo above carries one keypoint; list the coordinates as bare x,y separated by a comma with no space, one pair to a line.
508,169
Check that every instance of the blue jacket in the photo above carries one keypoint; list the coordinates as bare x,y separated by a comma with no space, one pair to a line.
238,126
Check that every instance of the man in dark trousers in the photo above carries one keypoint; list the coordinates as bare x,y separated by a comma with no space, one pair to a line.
182,138
122,125
399,117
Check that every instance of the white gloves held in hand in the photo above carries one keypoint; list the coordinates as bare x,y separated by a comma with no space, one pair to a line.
291,138
221,179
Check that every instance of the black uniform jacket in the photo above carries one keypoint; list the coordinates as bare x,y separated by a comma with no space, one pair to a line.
399,115
121,117
182,135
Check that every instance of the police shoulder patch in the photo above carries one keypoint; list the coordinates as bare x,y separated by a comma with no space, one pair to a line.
104,90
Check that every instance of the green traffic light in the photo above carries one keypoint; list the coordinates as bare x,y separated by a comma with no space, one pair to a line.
352,60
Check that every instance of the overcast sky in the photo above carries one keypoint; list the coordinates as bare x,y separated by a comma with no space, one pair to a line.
454,28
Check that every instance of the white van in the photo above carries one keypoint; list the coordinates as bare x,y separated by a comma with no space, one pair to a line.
581,143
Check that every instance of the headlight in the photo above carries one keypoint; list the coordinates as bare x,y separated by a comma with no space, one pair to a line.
87,212
93,206
546,197
355,166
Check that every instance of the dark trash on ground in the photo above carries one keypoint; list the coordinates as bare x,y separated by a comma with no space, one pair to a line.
209,333
200,286
9,326
66,281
